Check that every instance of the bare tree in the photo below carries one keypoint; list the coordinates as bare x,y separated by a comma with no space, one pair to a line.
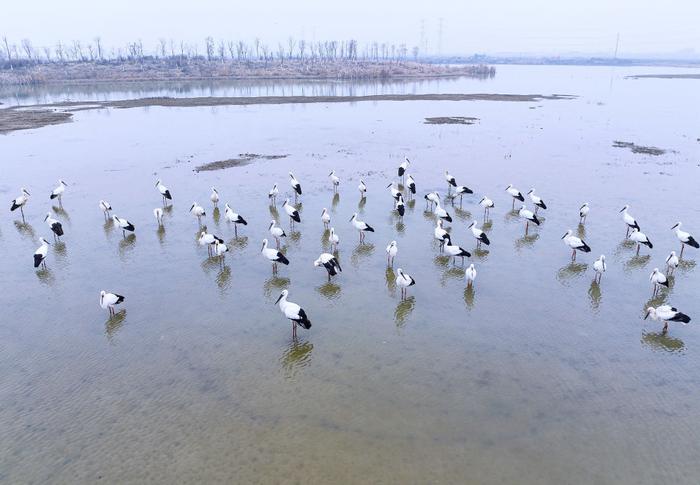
280,52
60,51
257,48
98,45
28,49
231,45
7,49
209,44
302,49
47,53
162,47
415,53
222,51
91,52
291,42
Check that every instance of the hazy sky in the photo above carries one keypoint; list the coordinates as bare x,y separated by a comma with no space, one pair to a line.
489,26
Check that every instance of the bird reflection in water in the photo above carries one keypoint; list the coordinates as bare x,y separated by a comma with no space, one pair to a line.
223,278
329,290
469,296
126,245
216,216
160,232
481,254
335,201
25,229
325,243
512,216
571,271
295,357
295,237
662,341
411,204
45,276
108,227
462,214
581,231
486,226
114,323
453,273
404,310
274,213
361,205
60,250
637,262
274,285
361,251
400,227
686,265
390,280
239,242
595,294
441,261
60,211
527,240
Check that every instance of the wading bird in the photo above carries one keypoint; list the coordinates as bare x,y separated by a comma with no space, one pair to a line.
325,218
234,218
455,251
158,214
164,192
404,166
460,190
335,181
487,204
277,232
293,312
333,239
441,234
214,197
220,250
411,184
658,279
515,194
362,188
395,192
451,182
630,221
105,208
442,213
361,226
272,194
529,217
600,267
583,213
20,202
671,263
296,186
470,274
329,262
57,193
431,198
273,256
123,224
575,243
391,250
109,300
685,238
41,253
292,212
666,313
399,206
209,240
640,238
480,235
403,281
198,211
55,226
539,203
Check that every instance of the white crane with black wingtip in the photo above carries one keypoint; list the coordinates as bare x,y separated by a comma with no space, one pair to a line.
583,213
442,213
109,300
329,262
335,180
431,198
460,190
105,207
658,279
630,221
292,212
209,240
666,313
403,281
515,194
685,238
362,188
575,243
276,231
293,312
57,193
296,186
404,166
273,255
529,217
451,181
56,227
441,234
20,202
272,194
198,211
411,184
41,253
536,200
214,197
361,226
234,218
391,251
164,192
672,263
479,235
123,224
455,251
640,238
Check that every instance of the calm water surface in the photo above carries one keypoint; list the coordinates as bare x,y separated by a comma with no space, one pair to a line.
535,376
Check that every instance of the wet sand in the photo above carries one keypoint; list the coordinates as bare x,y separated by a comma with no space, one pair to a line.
36,116
451,120
639,148
241,160
665,76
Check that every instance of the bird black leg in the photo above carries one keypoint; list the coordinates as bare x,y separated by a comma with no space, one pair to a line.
682,248
235,230
638,246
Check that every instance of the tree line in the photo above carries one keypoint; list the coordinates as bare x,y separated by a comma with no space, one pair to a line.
24,53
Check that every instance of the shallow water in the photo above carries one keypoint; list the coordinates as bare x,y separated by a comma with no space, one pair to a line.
536,375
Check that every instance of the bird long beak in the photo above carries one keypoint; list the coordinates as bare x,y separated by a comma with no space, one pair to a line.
388,186
156,185
278,299
622,210
351,218
564,235
46,217
27,193
261,247
646,316
675,226
191,207
330,174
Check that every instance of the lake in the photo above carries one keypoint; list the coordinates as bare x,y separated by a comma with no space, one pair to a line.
536,375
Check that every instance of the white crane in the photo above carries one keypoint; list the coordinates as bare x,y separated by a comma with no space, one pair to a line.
362,188
515,194
198,211
220,250
41,253
272,194
277,232
441,234
479,235
404,166
536,200
431,198
658,279
273,255
391,250
109,300
395,192
234,219
455,251
640,238
56,227
442,213
123,224
335,180
460,190
57,193
214,197
361,226
685,238
164,192
630,221
292,212
451,182
575,243
470,274
158,214
672,263
329,262
209,240
296,186
400,206
325,218
105,208
666,313
293,312
411,184
583,213
20,201
529,217
600,267
403,281
333,239
487,204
